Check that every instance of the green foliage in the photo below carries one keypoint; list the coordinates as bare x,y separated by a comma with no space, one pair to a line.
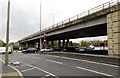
84,44
2,44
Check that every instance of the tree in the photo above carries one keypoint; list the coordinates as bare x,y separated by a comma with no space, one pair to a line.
85,43
2,43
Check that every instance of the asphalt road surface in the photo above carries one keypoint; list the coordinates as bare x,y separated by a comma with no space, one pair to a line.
49,66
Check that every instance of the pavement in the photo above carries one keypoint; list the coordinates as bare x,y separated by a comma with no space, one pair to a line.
7,71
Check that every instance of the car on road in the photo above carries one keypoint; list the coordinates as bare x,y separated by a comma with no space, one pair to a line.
47,50
3,50
89,48
71,49
30,50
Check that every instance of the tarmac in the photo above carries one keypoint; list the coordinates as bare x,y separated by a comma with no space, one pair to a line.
7,71
115,60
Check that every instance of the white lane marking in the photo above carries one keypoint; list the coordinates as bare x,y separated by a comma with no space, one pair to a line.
84,61
49,60
36,57
54,61
45,76
14,69
94,71
27,69
42,70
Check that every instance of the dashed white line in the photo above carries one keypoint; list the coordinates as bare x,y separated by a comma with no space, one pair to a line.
27,69
54,61
49,60
94,71
84,61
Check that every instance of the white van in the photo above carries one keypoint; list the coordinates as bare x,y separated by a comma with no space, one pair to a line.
3,50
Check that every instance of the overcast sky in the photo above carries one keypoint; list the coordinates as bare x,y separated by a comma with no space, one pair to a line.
25,14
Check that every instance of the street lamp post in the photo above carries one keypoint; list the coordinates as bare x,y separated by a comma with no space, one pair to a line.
7,34
40,31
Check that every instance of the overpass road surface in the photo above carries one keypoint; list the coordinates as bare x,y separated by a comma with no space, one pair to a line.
49,66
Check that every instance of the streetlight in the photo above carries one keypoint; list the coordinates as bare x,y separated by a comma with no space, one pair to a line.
7,34
40,30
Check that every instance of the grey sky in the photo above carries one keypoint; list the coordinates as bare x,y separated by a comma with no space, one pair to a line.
25,14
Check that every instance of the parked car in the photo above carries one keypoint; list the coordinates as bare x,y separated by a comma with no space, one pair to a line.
30,50
89,48
47,50
3,50
71,49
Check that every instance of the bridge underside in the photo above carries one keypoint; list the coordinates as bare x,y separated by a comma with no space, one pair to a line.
93,31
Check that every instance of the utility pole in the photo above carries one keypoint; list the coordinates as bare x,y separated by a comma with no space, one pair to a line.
7,34
40,31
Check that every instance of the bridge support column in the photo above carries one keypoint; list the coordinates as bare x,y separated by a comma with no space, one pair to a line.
113,32
67,43
22,45
52,43
59,44
47,44
26,45
63,44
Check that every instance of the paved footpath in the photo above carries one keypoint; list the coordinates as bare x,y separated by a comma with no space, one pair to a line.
7,71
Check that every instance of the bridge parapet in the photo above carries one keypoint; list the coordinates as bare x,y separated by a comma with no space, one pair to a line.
94,11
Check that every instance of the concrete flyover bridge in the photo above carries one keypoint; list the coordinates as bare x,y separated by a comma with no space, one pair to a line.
99,21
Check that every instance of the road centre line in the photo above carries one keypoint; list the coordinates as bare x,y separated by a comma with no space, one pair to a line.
50,60
94,71
54,61
27,69
84,61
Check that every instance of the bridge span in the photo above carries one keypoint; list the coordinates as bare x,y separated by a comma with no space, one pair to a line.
99,21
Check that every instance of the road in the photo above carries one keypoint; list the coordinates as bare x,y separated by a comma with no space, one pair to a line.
49,66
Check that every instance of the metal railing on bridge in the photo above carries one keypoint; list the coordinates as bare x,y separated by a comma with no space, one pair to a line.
83,14
86,13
